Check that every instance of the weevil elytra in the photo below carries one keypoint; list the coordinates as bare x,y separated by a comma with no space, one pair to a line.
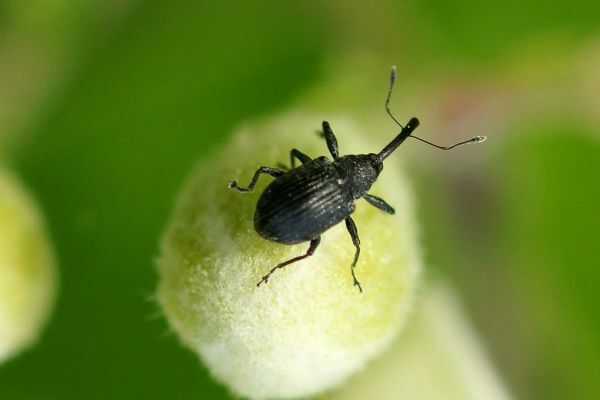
305,201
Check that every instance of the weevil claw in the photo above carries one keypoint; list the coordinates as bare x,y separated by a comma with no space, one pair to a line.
356,283
264,279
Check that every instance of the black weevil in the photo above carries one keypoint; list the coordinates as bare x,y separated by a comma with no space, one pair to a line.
305,201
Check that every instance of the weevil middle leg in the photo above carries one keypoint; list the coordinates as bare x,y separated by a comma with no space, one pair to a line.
351,226
297,154
380,203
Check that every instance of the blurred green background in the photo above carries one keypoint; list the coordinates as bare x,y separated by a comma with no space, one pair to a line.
105,106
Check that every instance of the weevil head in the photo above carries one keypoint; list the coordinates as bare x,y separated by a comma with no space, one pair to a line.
359,172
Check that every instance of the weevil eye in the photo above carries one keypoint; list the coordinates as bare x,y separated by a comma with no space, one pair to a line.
377,164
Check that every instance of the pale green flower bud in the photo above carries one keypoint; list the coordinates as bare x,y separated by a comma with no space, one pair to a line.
308,329
438,356
27,270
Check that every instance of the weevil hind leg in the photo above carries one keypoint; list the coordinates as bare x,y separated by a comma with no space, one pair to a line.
311,250
274,172
351,226
380,203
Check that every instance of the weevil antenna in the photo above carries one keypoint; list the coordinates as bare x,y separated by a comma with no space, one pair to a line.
476,139
410,127
389,96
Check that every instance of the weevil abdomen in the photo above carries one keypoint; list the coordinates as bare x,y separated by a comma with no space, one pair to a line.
303,203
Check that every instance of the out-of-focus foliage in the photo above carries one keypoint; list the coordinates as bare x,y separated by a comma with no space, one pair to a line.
28,284
118,100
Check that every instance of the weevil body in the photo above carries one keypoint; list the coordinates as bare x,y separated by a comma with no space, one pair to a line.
305,201
300,205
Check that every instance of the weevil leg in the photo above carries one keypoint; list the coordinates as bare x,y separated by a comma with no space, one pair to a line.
275,172
332,143
294,154
380,203
311,250
351,226
297,154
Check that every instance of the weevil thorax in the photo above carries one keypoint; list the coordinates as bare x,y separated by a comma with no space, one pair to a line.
358,172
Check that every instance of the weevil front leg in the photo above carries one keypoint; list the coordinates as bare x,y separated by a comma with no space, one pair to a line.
380,203
332,143
351,226
311,250
274,172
